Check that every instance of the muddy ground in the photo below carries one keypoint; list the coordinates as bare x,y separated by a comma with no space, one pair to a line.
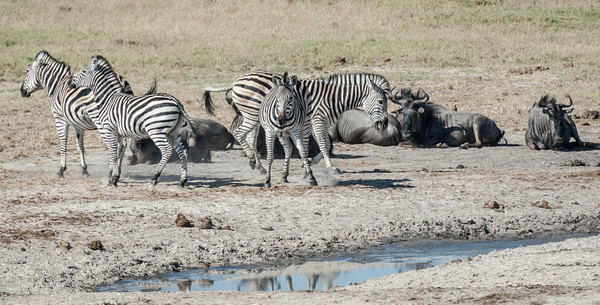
50,228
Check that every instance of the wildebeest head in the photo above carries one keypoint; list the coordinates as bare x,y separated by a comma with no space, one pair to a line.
555,121
375,104
413,113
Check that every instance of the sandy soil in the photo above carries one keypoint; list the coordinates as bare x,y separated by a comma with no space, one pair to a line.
49,226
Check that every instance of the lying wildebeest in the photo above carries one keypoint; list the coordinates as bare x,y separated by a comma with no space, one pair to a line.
550,126
355,127
426,124
145,151
216,134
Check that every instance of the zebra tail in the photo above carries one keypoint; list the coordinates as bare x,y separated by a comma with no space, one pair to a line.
208,103
189,120
152,88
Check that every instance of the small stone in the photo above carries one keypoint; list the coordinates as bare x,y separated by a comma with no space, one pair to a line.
181,221
65,245
205,223
460,166
96,245
267,228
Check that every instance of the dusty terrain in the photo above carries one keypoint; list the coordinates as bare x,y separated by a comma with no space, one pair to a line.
50,227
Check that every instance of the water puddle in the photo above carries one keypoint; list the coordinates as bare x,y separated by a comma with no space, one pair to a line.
324,273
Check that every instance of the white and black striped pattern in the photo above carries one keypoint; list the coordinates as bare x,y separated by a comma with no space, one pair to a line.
67,103
360,79
283,115
118,116
326,101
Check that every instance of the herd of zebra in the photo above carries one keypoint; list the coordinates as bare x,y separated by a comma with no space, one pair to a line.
285,107
99,98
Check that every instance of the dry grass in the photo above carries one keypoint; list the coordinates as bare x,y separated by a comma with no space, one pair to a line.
460,51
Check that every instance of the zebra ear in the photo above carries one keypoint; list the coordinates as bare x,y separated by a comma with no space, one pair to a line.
293,81
276,80
95,61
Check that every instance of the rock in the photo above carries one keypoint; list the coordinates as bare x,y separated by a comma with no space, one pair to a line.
181,221
96,245
205,223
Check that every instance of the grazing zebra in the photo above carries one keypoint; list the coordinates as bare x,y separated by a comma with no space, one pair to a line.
67,103
283,114
326,101
160,117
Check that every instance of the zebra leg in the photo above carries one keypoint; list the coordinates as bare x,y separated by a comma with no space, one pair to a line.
81,149
181,151
121,146
63,133
241,133
301,141
322,136
113,150
253,143
162,142
269,142
287,150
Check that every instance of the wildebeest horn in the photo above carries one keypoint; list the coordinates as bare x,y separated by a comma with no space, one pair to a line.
422,95
570,102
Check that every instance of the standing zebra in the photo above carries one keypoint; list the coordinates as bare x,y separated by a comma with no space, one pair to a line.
160,117
67,103
283,114
325,102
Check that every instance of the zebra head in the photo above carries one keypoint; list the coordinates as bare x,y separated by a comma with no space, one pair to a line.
375,104
282,96
35,73
97,72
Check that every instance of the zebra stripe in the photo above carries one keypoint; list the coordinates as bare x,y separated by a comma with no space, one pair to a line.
283,114
118,116
325,102
67,103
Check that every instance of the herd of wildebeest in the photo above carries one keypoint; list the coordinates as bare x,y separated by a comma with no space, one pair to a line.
418,121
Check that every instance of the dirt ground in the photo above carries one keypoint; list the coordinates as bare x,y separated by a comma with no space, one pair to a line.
50,228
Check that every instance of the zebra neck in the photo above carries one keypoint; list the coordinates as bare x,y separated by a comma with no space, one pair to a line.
51,78
106,86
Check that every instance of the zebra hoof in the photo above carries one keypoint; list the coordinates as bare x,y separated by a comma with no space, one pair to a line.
85,173
154,182
262,170
335,170
267,185
61,174
284,180
252,164
182,182
312,182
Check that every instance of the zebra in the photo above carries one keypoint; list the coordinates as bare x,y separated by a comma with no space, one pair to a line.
283,114
326,101
67,103
158,116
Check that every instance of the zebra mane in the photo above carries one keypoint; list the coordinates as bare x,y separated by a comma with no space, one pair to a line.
105,69
45,58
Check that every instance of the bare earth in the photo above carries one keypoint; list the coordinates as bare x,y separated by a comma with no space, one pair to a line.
384,194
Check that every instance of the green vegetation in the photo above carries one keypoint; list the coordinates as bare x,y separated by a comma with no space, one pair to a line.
190,40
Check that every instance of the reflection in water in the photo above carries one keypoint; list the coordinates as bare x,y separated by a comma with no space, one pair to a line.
322,275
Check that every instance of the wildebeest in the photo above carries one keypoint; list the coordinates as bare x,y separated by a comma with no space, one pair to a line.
427,124
217,135
355,127
550,126
145,151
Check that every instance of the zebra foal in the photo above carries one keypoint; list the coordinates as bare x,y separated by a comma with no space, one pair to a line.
283,115
118,116
67,103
